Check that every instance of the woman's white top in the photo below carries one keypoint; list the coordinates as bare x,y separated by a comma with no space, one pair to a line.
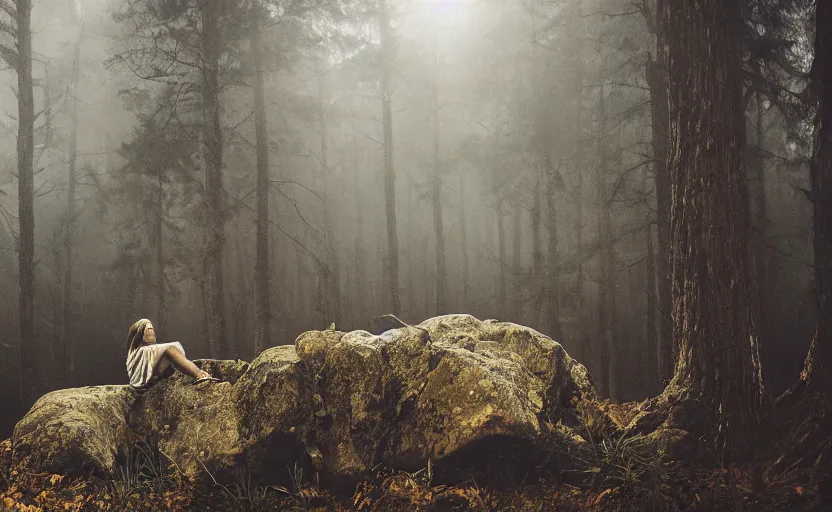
143,360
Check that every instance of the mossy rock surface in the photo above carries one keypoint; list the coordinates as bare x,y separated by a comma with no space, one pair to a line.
337,403
73,431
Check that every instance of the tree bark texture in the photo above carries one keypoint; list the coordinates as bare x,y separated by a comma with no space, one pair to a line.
819,360
714,307
212,151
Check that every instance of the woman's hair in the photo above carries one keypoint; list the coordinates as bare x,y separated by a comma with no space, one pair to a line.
135,336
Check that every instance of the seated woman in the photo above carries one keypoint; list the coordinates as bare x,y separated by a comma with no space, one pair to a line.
147,360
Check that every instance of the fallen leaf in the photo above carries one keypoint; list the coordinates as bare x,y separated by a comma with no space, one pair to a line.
603,495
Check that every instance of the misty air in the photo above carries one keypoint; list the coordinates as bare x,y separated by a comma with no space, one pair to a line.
428,255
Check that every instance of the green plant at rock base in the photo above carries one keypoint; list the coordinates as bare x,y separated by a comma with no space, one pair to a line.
304,495
635,464
144,469
127,485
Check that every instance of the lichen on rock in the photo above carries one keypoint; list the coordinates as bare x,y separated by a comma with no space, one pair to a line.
340,403
71,431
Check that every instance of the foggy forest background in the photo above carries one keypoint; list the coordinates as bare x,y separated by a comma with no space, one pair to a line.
242,171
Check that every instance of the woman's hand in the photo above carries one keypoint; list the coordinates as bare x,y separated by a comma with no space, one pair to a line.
202,374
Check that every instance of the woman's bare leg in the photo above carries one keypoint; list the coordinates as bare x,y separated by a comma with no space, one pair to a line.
183,364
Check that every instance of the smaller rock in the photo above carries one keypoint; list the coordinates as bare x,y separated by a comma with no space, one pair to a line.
73,431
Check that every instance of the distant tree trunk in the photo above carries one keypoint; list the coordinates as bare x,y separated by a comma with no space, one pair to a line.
262,272
359,272
410,306
212,142
26,196
47,106
392,262
605,290
657,81
583,344
537,253
464,245
818,366
436,199
517,265
553,295
332,278
65,351
238,345
501,256
157,239
759,220
714,309
301,305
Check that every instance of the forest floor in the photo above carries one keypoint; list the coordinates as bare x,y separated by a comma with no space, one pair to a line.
634,485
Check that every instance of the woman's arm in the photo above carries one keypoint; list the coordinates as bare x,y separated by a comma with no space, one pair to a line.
183,364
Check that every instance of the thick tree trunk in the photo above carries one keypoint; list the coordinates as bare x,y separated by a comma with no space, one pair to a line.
212,151
262,273
714,308
65,352
392,262
819,361
26,198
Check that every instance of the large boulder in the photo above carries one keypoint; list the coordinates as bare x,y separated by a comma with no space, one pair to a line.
72,431
443,392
